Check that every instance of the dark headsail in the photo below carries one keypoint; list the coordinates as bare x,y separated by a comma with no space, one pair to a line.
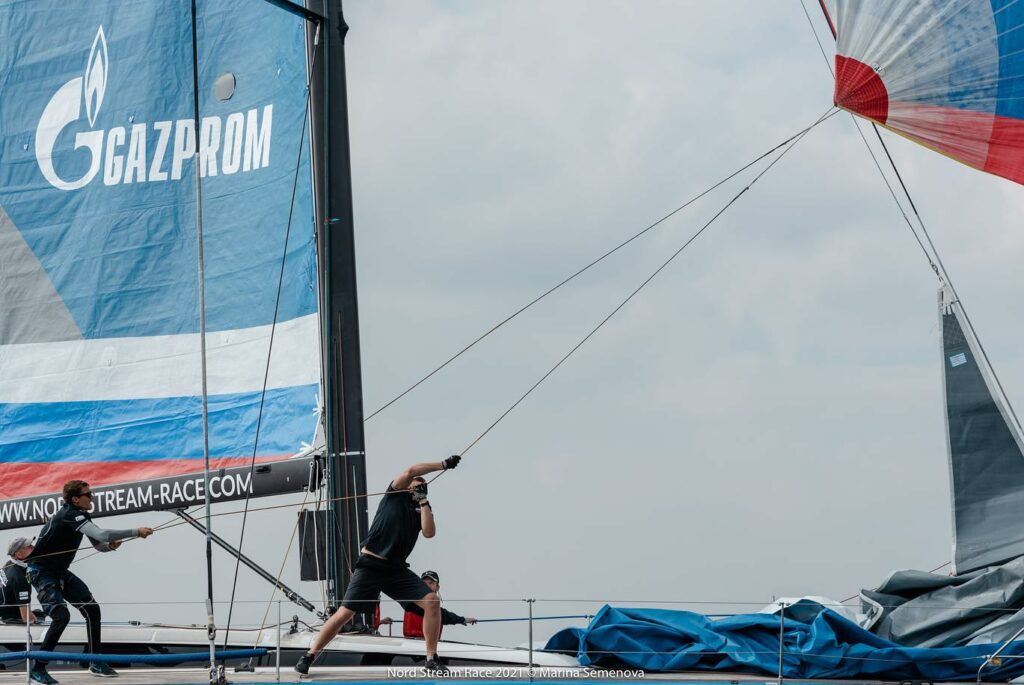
986,452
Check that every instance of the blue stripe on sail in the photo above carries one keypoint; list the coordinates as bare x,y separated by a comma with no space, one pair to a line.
156,429
1009,18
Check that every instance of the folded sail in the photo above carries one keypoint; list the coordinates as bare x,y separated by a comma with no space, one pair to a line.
100,374
986,452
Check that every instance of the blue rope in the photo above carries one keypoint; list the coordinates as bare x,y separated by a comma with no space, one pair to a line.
132,658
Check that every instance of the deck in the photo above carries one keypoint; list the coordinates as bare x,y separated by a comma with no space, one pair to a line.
373,674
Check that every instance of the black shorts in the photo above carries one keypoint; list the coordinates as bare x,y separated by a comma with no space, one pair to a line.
373,576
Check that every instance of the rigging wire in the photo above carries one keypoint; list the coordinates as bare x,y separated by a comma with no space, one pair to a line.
952,288
273,326
200,257
828,114
583,269
874,158
280,572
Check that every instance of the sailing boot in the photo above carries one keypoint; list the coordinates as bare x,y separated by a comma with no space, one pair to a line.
102,670
303,664
39,674
434,665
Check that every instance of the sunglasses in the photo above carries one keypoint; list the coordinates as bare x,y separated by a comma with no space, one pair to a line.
85,494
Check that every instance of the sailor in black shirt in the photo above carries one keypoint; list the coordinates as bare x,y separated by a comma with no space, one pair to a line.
55,585
403,513
14,587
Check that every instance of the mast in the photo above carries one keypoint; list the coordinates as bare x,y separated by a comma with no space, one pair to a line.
343,395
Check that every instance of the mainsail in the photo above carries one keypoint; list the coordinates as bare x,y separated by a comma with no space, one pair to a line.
986,451
100,366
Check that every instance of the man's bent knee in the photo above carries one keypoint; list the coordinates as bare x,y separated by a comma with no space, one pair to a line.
340,617
60,616
430,602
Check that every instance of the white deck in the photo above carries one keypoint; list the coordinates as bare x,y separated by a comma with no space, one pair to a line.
267,676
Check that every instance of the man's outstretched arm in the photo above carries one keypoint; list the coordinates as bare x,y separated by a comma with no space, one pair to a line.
102,538
448,618
404,479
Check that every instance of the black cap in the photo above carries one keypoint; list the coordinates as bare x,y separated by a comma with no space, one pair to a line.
432,575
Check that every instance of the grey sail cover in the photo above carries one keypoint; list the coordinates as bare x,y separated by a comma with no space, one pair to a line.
986,453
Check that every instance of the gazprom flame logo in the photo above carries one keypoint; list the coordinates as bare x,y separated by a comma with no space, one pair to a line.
65,107
142,152
96,77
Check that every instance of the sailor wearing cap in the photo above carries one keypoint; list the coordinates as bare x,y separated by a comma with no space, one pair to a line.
14,587
412,622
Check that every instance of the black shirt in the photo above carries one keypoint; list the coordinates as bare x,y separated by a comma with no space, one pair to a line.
59,540
395,527
14,591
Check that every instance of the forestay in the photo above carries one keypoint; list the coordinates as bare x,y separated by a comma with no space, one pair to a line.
99,308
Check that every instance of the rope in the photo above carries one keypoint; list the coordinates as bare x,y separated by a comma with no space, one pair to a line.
273,329
828,113
874,158
580,271
942,272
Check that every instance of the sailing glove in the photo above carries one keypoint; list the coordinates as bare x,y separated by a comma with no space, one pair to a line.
451,462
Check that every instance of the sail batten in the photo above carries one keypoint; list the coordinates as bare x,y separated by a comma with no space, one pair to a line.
100,366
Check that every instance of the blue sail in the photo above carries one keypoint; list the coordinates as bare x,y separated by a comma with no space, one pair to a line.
100,365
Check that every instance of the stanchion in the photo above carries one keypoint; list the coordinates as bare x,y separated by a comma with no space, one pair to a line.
782,636
529,606
28,638
277,655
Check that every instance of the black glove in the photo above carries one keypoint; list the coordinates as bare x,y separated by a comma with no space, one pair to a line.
451,462
419,493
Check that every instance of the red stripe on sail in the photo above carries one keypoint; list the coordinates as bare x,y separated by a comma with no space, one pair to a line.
26,479
982,140
859,89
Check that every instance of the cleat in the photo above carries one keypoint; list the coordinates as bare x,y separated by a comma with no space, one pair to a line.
303,664
101,670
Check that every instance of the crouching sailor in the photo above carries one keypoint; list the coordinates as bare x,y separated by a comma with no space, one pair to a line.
55,585
14,588
412,623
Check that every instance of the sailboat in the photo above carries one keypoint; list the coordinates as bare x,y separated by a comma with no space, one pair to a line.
138,385
179,321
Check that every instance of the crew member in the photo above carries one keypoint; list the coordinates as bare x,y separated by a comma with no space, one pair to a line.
412,622
55,585
403,513
14,588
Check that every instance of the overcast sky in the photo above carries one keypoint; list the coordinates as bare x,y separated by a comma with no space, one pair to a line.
764,419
